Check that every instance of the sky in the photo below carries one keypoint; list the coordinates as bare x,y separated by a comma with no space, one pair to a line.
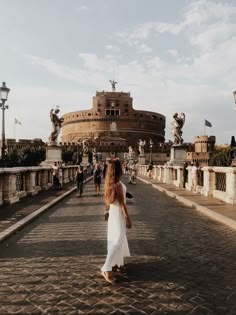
172,56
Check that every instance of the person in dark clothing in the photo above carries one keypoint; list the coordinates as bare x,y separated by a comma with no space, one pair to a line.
104,170
80,180
185,174
97,179
149,170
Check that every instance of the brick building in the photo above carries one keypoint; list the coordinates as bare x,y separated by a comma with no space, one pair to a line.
113,124
203,149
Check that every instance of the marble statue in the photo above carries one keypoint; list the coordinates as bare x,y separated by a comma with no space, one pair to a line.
176,129
85,146
141,144
130,153
56,125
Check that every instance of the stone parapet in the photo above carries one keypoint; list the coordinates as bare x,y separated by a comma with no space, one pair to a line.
18,182
219,182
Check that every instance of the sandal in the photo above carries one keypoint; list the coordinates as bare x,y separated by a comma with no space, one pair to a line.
104,274
119,269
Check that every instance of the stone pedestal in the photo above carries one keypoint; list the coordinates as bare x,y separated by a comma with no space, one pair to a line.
233,164
85,160
178,155
53,154
141,160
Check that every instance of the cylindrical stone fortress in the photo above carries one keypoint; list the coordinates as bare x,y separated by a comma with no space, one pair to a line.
113,118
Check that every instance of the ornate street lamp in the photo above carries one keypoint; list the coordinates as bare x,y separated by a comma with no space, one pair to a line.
151,145
4,90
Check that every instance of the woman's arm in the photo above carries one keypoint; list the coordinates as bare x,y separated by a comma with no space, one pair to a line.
120,196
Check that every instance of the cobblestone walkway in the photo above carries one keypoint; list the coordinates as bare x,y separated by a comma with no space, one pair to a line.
182,262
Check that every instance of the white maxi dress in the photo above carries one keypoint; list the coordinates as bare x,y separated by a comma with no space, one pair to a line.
117,244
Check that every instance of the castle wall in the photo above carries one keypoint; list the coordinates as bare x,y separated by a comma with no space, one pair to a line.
113,115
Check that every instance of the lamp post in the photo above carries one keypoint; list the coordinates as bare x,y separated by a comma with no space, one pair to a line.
4,90
234,160
151,145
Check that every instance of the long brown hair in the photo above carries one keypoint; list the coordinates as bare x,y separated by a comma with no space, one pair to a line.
113,175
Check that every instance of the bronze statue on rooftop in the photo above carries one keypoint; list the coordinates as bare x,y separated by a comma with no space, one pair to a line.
113,85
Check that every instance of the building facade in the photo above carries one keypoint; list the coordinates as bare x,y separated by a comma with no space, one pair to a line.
203,149
112,122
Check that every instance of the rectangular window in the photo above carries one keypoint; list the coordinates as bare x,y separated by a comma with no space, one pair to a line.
112,112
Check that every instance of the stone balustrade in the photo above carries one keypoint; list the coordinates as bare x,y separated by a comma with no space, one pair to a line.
219,182
18,182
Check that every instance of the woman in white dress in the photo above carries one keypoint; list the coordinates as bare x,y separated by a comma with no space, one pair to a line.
115,198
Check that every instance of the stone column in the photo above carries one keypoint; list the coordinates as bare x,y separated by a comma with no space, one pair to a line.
231,185
208,181
30,183
9,189
66,175
44,183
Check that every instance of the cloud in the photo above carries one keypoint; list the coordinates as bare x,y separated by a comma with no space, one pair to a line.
173,52
92,69
83,8
144,49
113,48
37,101
204,23
198,81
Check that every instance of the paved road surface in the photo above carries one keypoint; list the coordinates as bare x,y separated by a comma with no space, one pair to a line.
182,262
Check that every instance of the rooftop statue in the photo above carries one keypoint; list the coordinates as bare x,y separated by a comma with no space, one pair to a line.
56,125
113,85
176,129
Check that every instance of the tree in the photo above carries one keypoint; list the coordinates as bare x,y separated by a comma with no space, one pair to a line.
223,157
67,156
233,142
33,156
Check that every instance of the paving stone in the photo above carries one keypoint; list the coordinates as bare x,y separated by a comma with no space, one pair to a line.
182,263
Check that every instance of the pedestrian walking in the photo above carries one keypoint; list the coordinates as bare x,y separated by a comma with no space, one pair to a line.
194,172
97,179
55,176
79,176
60,174
149,170
118,220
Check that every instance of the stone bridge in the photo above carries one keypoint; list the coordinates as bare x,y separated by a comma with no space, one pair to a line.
182,262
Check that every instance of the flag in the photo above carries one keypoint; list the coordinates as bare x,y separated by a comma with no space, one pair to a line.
17,122
207,123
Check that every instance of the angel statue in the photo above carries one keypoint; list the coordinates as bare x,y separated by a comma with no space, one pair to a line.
130,153
56,125
113,85
85,146
176,129
141,144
